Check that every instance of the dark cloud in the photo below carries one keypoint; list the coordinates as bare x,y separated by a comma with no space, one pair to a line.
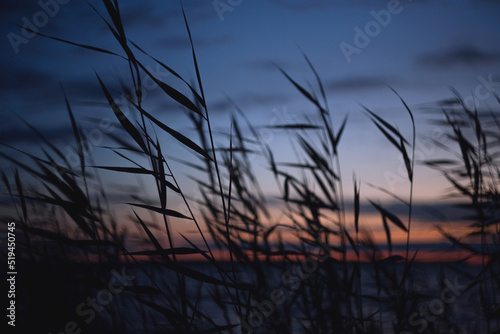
28,90
247,100
199,10
429,247
462,56
37,90
13,8
162,103
267,65
146,14
302,5
155,15
430,213
182,43
21,78
16,135
90,90
357,83
314,5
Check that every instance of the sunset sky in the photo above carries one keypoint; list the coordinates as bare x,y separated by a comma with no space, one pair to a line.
359,48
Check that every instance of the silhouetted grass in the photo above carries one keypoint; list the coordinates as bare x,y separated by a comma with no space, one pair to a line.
328,273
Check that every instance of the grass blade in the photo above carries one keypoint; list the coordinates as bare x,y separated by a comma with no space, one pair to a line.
167,212
126,124
393,218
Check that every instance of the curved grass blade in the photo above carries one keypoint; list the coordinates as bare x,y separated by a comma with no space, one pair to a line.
298,126
195,61
127,125
21,194
407,161
170,251
387,233
195,93
385,123
356,205
133,170
76,133
167,212
393,218
93,48
301,89
150,235
173,93
180,137
336,139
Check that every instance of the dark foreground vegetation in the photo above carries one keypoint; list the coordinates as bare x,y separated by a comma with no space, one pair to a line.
79,268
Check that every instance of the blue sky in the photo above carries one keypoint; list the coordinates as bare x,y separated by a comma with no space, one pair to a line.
426,47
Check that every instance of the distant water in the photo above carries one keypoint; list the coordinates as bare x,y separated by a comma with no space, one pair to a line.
426,281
